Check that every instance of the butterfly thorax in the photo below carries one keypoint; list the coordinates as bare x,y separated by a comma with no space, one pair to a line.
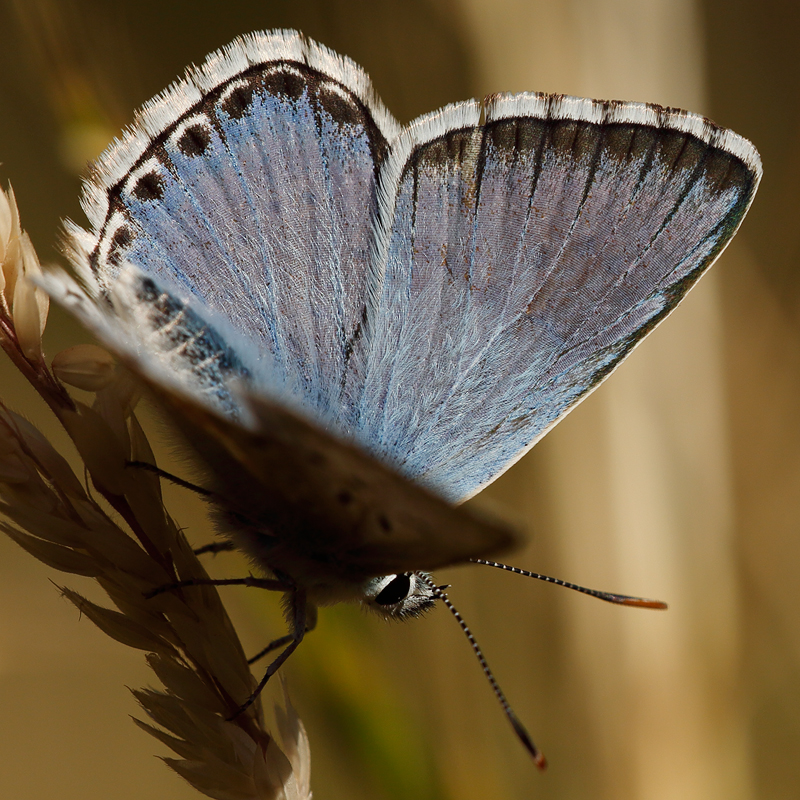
397,596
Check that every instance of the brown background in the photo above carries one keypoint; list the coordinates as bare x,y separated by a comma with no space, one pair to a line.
678,479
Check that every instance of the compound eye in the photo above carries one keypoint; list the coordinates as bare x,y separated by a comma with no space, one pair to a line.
395,591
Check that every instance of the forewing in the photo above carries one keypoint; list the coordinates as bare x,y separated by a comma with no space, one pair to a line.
519,261
250,186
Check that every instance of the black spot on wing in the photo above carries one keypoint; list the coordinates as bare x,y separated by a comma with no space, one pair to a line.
123,236
149,187
286,82
238,102
194,140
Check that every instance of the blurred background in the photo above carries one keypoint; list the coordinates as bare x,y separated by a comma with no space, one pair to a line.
679,479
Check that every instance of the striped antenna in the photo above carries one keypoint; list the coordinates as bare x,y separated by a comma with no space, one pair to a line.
519,728
619,599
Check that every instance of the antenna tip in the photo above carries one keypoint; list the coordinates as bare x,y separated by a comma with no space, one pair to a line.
641,602
527,742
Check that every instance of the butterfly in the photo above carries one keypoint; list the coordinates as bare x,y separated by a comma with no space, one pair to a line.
357,324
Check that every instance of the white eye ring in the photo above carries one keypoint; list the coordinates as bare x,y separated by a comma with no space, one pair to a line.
398,596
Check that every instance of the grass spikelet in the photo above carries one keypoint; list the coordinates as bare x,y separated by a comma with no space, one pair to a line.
128,542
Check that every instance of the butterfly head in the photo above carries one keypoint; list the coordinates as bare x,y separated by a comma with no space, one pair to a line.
401,596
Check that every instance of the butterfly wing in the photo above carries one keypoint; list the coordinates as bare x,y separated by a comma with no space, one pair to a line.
322,510
232,230
520,260
295,497
443,295
250,187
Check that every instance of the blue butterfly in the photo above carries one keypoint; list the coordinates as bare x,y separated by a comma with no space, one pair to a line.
359,325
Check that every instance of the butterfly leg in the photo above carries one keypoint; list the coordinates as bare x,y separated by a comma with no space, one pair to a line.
215,547
271,584
192,487
301,613
311,623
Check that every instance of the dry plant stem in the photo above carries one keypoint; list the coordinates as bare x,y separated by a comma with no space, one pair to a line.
37,373
223,751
